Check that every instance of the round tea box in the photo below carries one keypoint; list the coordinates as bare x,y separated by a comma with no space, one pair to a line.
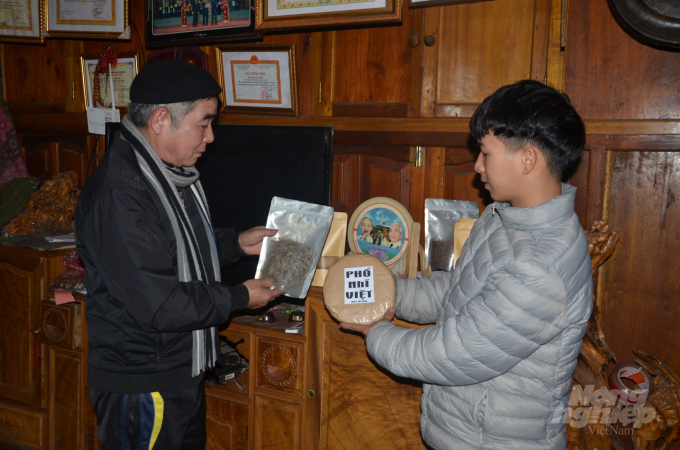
358,289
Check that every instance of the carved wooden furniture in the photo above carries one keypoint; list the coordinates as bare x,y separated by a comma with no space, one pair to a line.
24,276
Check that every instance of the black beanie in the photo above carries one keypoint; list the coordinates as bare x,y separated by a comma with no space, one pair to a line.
172,82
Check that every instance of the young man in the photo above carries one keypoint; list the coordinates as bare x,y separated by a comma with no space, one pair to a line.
152,266
510,318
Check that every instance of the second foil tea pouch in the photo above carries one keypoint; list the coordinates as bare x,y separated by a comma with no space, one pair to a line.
441,216
292,255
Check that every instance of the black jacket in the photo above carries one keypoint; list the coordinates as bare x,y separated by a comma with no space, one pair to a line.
139,316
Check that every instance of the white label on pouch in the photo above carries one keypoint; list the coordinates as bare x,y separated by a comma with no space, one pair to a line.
359,285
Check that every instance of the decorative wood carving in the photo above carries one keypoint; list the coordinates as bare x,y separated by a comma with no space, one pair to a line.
279,366
594,357
21,426
58,325
652,22
658,434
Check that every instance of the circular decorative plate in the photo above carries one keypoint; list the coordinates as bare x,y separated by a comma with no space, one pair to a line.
653,22
380,227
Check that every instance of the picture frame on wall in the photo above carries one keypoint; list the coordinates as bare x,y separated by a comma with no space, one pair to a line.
258,78
103,19
184,22
122,75
291,14
423,3
22,21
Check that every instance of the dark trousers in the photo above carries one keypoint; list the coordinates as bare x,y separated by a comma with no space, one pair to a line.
194,18
167,420
213,21
205,17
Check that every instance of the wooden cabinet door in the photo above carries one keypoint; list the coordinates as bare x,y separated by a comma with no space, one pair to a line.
367,71
20,290
226,424
478,48
65,392
361,406
277,424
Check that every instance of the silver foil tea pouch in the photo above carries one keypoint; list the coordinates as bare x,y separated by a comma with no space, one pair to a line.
441,216
292,254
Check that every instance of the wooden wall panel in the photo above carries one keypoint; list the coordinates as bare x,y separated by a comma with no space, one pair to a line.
461,182
609,75
303,55
640,297
345,190
384,177
73,157
39,159
373,65
36,73
474,55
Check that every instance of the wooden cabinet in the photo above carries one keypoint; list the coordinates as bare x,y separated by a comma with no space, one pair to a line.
473,49
360,404
24,276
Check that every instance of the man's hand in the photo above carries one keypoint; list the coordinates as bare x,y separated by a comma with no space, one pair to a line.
251,240
259,292
364,329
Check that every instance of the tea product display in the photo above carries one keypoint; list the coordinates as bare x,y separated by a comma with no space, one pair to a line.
358,289
288,261
292,254
441,216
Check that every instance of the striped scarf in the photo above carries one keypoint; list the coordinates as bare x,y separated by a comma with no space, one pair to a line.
165,180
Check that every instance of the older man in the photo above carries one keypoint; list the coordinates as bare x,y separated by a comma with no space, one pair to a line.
152,266
395,235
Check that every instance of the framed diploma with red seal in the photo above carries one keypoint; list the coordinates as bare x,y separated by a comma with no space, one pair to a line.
258,78
381,227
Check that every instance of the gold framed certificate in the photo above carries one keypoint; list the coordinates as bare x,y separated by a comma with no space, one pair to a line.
87,18
258,78
22,21
289,14
115,86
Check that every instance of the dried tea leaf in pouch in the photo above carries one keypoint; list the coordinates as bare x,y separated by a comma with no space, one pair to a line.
358,289
292,254
441,216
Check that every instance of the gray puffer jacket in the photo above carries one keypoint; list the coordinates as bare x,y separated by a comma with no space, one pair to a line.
510,320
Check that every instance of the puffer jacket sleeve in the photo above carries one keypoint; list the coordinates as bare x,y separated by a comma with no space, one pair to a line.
520,308
123,238
419,300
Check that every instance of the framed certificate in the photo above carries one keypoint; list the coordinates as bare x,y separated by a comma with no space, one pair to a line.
287,14
121,78
419,3
22,21
87,18
258,78
182,22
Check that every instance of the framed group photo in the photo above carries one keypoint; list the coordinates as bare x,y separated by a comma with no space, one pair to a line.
181,22
289,14
120,78
22,21
258,78
86,19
